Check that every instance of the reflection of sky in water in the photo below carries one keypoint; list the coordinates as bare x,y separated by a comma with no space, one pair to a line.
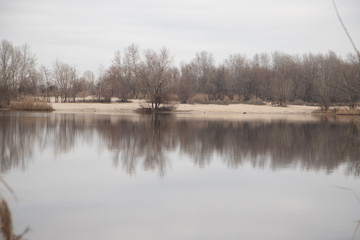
80,194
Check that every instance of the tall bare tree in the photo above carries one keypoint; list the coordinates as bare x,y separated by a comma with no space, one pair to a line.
238,68
285,72
326,79
89,78
186,87
154,73
18,73
202,70
46,83
130,67
350,81
65,77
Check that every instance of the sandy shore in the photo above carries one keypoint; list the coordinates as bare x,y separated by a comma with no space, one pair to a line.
232,111
118,108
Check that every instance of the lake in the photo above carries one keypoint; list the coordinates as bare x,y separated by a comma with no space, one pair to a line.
83,176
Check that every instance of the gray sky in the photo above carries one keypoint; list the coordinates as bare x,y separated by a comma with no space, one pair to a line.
88,32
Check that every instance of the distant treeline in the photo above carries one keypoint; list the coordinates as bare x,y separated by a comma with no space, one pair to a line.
281,78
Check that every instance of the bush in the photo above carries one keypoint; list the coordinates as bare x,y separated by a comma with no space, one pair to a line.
146,108
3,105
199,98
256,101
339,111
28,104
298,102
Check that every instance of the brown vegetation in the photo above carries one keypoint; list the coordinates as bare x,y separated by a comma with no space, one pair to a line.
6,223
6,228
339,111
323,79
148,107
28,104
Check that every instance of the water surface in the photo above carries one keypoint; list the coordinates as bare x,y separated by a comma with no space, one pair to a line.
136,177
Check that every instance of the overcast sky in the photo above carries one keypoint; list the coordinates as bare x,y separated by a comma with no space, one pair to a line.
88,32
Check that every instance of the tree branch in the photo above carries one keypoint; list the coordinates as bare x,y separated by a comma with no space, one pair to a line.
345,29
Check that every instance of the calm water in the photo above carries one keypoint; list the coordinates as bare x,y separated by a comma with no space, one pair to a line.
134,177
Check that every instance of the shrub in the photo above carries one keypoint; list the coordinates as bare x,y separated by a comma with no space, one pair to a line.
146,108
298,102
199,98
4,105
255,101
339,111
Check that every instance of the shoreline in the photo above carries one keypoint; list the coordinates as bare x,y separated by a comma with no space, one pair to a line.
229,112
238,108
236,111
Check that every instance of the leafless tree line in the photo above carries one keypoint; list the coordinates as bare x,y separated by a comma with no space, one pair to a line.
281,78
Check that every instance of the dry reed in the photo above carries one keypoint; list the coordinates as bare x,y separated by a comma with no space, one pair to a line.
6,229
6,226
28,104
339,111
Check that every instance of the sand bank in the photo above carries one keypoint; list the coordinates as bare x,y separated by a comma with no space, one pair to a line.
244,111
118,108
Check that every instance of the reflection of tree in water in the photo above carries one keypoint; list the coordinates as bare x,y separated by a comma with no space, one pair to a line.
279,144
147,142
22,134
353,149
144,142
320,145
16,142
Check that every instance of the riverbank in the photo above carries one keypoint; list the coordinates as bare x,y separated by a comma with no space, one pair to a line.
206,111
119,108
210,111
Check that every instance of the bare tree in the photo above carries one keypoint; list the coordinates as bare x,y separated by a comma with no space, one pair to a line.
27,76
284,66
76,84
89,84
65,77
345,29
218,84
310,68
202,70
186,87
325,80
261,75
6,51
105,86
46,82
154,73
121,77
238,68
130,65
18,74
114,82
350,81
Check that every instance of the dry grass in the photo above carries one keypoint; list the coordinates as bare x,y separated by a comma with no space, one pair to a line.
199,98
28,104
255,101
6,228
3,105
339,111
6,225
